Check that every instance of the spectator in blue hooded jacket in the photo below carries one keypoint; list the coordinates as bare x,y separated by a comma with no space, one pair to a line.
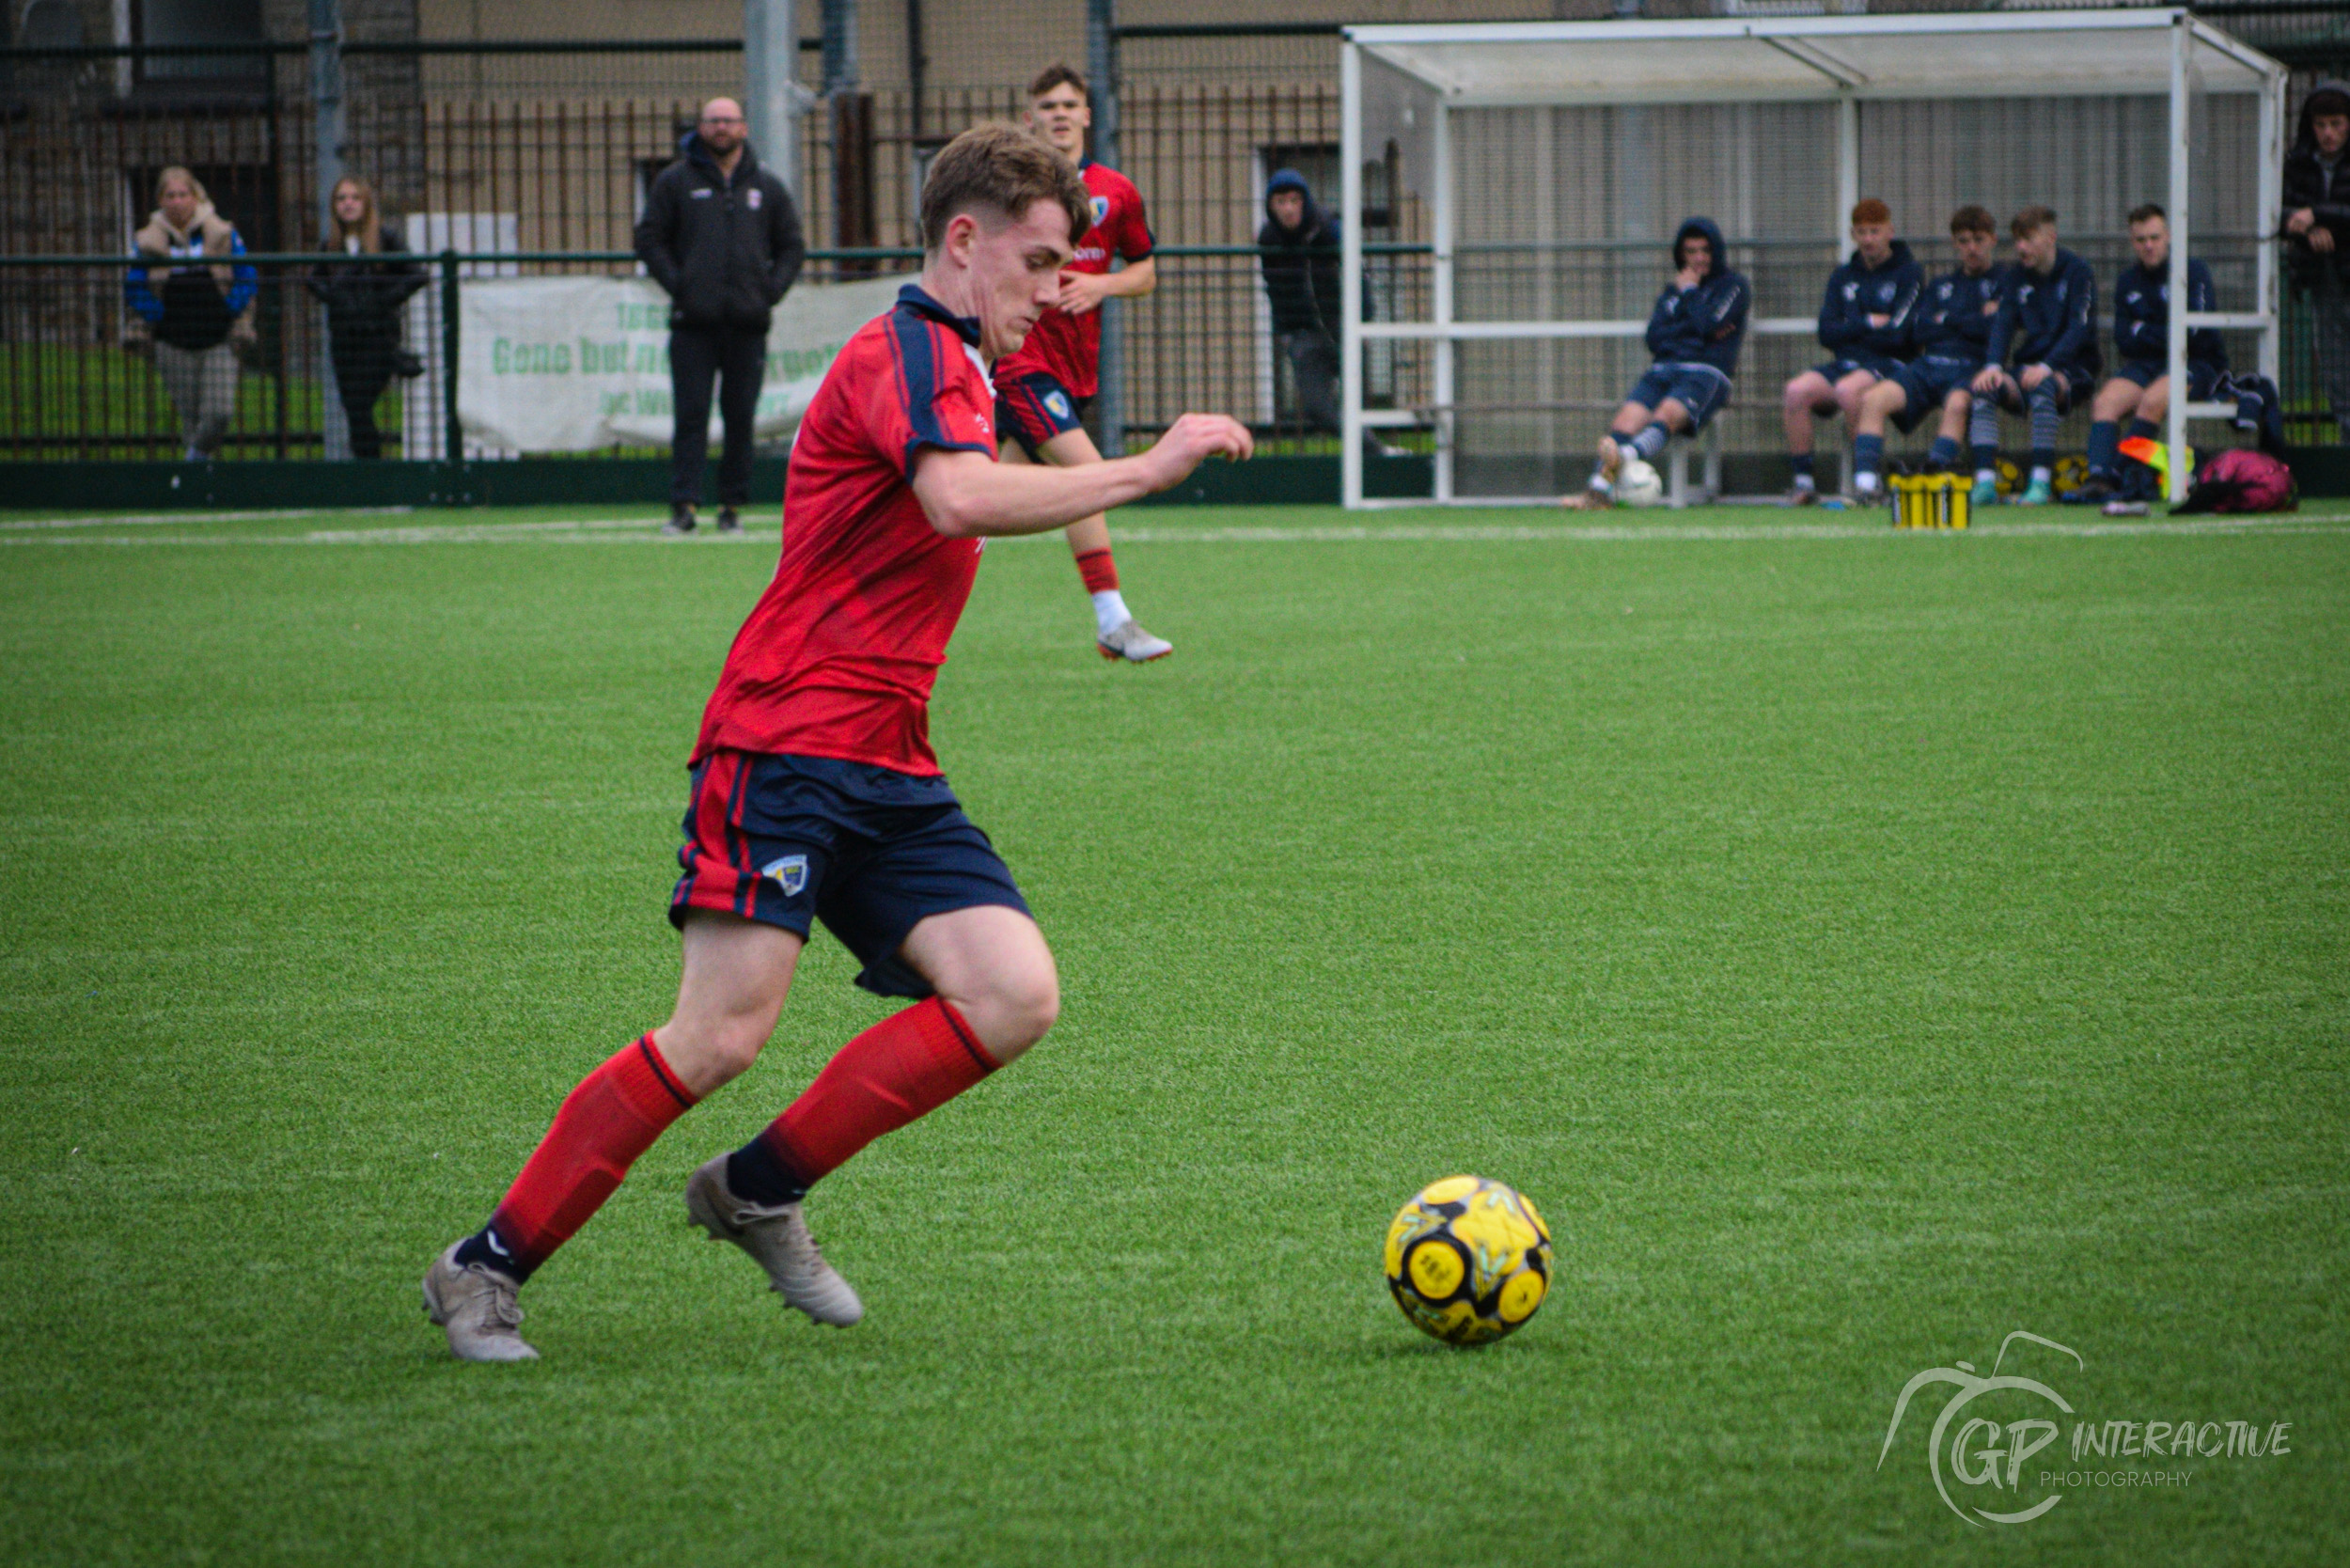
191,297
1865,322
2051,301
2140,388
1694,334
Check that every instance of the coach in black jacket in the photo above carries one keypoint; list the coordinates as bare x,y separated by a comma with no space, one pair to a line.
721,235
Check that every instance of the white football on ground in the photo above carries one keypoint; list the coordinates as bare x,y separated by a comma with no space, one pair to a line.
1638,484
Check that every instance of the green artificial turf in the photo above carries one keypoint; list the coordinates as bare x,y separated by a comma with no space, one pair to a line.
1860,946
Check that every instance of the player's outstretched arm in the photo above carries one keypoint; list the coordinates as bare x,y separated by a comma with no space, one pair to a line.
967,494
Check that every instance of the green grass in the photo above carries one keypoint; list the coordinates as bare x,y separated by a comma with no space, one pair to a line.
1860,946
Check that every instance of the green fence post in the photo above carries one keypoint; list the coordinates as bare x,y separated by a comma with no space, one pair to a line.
454,448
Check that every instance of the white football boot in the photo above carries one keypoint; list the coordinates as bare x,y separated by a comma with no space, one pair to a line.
476,1304
777,1240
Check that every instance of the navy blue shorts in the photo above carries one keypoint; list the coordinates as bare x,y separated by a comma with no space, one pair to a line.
870,851
1700,389
1036,407
1926,383
2203,376
1836,369
2072,382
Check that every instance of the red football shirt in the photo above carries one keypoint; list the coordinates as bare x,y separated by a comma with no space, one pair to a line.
1069,348
839,655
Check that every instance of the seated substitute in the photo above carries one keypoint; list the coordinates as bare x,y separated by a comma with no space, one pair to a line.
2140,388
2052,300
1694,333
1865,322
1951,325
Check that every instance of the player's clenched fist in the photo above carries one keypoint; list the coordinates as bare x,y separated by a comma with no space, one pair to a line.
1193,439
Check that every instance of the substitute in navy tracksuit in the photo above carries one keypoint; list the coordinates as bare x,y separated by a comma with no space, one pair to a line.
1694,335
1952,322
2042,354
2140,388
1865,322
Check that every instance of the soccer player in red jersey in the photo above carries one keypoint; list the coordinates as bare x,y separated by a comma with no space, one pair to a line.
1043,387
814,791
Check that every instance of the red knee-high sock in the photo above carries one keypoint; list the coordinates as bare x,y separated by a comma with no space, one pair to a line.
1099,568
903,1067
610,1119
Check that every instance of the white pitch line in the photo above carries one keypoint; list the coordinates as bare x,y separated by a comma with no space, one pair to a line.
196,519
646,531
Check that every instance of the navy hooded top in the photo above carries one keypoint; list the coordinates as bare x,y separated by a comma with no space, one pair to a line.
2057,313
1857,291
1951,322
2141,315
1706,324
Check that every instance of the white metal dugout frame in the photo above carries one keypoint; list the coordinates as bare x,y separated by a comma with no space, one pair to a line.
2143,52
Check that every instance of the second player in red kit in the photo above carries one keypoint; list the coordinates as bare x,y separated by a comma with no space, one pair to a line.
814,794
1045,386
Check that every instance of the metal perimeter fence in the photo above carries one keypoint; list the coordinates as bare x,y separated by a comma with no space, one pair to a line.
85,375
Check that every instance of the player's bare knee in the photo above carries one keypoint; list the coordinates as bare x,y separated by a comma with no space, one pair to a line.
708,1052
1012,1009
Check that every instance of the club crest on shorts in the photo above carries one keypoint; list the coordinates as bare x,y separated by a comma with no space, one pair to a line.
789,873
1058,404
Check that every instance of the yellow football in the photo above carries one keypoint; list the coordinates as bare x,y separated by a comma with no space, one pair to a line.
1469,1260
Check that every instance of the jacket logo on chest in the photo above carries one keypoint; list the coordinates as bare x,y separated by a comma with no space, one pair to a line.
752,197
702,192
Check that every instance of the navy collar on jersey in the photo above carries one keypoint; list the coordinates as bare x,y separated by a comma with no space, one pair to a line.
915,298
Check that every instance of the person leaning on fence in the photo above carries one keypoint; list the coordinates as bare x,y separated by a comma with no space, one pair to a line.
1297,249
363,300
1695,332
192,299
721,235
2051,301
2318,233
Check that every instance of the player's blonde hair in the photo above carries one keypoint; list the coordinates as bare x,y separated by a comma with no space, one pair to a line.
1001,171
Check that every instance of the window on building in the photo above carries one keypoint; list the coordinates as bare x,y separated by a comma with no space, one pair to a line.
184,23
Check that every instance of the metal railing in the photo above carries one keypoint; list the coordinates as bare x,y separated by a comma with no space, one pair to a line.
83,377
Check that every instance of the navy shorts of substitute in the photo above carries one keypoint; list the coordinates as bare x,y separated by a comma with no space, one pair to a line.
1926,383
1700,389
868,851
1035,408
1836,369
2203,376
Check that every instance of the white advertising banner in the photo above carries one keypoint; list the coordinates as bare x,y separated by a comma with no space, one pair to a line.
573,364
